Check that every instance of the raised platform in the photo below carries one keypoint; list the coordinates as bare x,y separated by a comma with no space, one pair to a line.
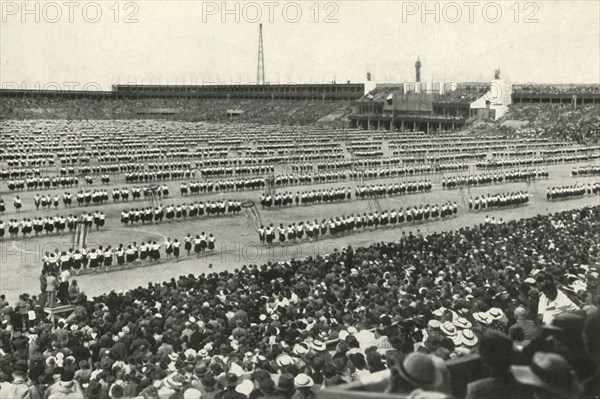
57,310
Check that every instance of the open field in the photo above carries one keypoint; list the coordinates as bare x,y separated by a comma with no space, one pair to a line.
237,244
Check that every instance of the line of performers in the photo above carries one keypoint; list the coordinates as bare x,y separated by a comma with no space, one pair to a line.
159,175
136,193
50,224
46,201
236,171
329,177
586,171
348,224
382,190
306,197
47,182
498,200
200,244
343,194
204,187
145,252
566,192
483,179
180,212
104,256
16,173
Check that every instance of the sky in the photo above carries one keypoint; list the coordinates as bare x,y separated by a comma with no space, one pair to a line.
94,44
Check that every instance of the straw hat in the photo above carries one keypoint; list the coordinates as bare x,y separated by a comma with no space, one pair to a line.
303,381
468,338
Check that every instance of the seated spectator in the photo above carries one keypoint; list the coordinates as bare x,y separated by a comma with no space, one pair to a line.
528,327
417,375
553,302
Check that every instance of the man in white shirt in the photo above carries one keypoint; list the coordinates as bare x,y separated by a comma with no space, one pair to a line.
553,302
63,288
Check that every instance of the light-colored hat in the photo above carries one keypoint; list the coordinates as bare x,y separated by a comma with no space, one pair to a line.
192,393
284,360
449,329
461,322
496,313
174,382
434,324
468,338
482,317
318,345
303,381
420,370
245,388
300,349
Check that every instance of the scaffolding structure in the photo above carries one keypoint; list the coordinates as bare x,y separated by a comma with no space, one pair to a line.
153,196
79,235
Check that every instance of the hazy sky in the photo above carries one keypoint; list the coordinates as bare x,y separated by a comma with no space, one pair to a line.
176,42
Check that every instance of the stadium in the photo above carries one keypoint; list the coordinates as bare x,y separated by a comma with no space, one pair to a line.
410,239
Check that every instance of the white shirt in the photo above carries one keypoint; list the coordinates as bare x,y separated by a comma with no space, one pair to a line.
550,309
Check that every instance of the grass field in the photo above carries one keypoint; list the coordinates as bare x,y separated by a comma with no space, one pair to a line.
237,243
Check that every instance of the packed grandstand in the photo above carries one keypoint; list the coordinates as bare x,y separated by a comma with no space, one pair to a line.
450,264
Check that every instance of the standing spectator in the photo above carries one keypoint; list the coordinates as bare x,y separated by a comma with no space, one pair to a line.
51,285
17,389
43,285
74,291
65,388
63,288
229,381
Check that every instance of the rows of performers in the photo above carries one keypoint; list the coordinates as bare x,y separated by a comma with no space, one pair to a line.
161,191
204,187
181,212
496,178
566,192
305,197
330,177
586,171
343,194
159,175
341,225
498,200
106,255
50,225
16,173
34,183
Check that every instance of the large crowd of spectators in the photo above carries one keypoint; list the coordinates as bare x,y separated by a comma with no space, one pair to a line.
296,112
523,294
559,122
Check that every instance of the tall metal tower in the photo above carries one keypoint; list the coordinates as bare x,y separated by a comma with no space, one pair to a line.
260,72
418,70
